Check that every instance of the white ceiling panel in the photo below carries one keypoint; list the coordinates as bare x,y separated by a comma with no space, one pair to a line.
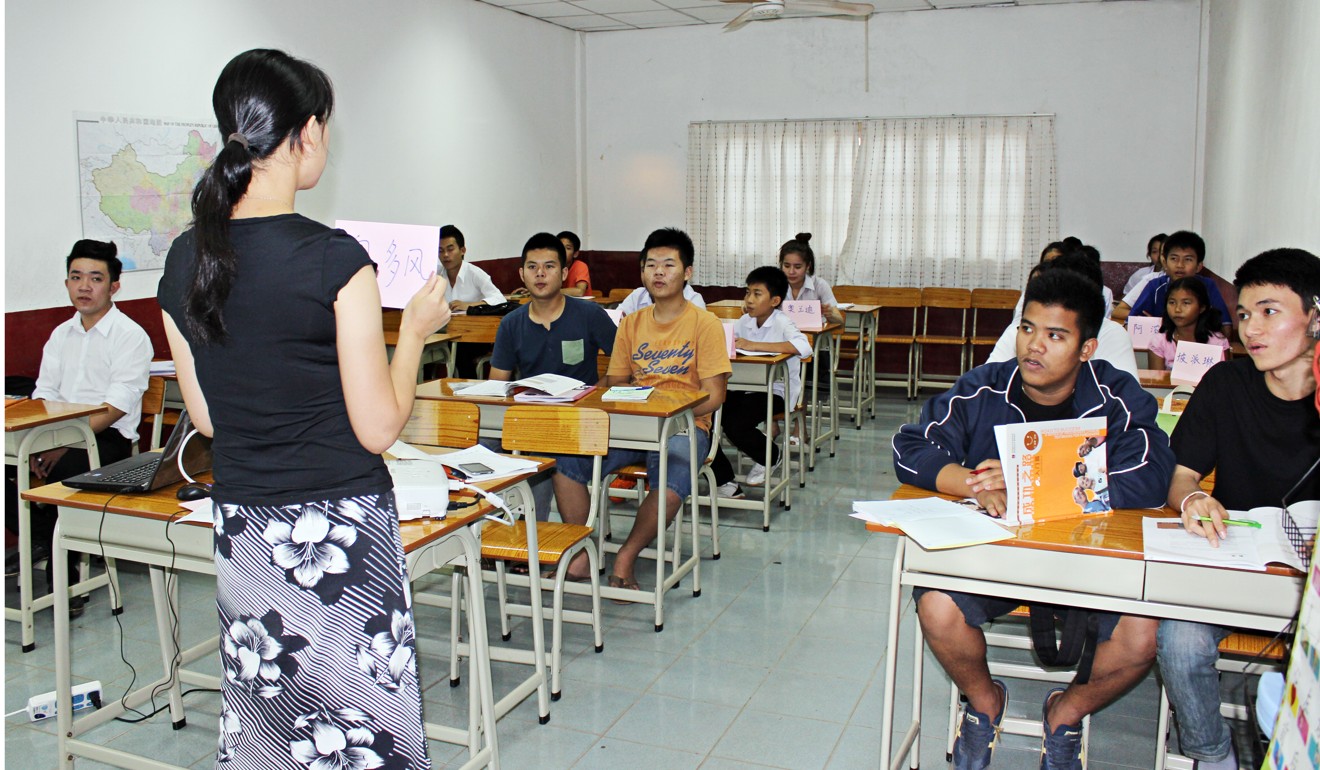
595,15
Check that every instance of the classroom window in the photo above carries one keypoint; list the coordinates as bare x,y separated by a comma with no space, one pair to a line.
957,201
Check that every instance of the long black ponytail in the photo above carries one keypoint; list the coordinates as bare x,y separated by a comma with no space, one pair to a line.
262,99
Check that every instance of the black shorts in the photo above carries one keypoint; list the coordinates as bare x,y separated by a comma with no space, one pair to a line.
977,610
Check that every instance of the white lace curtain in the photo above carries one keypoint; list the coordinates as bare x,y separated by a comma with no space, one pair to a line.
958,201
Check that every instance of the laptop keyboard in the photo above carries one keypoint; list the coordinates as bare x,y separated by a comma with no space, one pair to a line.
132,476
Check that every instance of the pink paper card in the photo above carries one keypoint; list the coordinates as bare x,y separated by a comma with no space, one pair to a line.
729,338
1191,360
804,313
1143,329
406,256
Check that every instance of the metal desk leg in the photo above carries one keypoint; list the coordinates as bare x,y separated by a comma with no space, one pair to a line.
891,656
480,643
165,592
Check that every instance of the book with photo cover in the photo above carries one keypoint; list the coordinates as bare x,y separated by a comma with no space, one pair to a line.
1054,469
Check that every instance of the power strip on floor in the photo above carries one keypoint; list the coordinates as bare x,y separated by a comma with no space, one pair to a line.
86,695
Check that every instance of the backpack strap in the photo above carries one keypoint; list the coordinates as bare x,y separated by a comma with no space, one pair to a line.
1076,646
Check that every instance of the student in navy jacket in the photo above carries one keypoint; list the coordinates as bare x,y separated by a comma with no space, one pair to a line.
1052,378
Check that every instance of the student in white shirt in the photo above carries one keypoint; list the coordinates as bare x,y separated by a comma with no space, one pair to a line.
1053,252
100,356
1154,253
1114,344
468,284
641,298
763,328
798,262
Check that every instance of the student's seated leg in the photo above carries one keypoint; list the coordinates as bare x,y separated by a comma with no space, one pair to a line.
1187,655
572,475
678,486
1124,655
951,623
743,415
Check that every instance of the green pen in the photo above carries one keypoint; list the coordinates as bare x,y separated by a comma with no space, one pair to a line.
1233,522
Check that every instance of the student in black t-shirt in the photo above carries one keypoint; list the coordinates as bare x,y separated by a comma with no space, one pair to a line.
552,334
1251,421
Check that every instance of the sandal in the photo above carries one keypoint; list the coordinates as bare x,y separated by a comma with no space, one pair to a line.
630,584
568,577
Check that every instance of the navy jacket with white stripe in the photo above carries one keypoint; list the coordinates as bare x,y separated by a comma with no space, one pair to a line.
957,426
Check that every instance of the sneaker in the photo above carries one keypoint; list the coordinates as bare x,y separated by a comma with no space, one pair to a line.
621,484
977,736
756,476
730,489
793,440
1062,748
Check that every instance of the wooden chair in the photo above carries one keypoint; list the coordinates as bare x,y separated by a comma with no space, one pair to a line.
958,301
985,332
543,429
1241,652
442,424
472,329
618,295
898,329
725,313
154,412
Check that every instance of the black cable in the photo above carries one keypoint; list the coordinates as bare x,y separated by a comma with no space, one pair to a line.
145,717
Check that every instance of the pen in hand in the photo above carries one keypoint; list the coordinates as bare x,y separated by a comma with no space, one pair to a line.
1232,522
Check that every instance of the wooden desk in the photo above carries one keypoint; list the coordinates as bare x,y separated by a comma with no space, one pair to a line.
644,425
758,374
1094,562
862,320
141,528
31,427
435,350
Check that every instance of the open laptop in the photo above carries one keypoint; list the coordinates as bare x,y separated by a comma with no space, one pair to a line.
151,470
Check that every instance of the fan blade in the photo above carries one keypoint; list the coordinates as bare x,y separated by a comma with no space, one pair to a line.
740,20
834,7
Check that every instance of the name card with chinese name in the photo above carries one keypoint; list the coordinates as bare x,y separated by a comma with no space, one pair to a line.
804,313
1143,329
406,256
1191,360
729,338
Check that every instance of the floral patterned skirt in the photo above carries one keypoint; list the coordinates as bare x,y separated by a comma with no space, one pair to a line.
316,638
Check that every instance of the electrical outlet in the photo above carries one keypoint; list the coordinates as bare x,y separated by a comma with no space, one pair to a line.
85,695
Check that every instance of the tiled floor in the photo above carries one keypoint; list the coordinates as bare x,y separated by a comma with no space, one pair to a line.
777,664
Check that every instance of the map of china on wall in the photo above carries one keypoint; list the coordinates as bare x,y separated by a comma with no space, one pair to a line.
135,181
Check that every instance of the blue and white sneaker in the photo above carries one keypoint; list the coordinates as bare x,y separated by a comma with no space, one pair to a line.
977,735
1061,748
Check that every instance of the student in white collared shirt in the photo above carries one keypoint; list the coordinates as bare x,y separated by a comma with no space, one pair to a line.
798,262
763,328
100,356
641,298
467,284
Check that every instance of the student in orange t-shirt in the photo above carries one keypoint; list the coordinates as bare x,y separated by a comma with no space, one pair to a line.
671,345
578,282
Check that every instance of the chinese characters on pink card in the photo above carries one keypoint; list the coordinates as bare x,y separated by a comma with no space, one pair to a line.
406,256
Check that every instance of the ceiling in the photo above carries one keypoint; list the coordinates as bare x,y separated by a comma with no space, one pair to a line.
606,15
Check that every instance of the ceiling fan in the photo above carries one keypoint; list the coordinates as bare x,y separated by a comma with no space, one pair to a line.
773,9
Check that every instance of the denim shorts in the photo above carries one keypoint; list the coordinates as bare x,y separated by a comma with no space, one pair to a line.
978,610
679,481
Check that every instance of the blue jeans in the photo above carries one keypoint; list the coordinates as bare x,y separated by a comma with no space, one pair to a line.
1187,656
679,481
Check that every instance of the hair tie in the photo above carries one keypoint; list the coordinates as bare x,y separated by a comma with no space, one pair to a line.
238,137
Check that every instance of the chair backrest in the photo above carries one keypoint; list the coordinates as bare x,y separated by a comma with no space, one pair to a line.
995,299
939,298
442,423
546,428
619,295
722,311
854,294
897,296
474,328
597,293
153,403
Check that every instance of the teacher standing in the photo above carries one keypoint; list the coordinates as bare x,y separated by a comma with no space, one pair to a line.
274,322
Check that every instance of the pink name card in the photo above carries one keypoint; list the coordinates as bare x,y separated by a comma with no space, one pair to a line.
804,313
1191,360
1143,329
729,338
406,256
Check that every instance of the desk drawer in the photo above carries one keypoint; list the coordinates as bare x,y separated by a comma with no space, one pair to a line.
1256,593
1058,570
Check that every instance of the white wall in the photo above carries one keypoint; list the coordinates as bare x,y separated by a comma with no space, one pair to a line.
1262,178
1121,77
448,111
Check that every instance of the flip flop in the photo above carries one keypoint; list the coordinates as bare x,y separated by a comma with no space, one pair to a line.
630,584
